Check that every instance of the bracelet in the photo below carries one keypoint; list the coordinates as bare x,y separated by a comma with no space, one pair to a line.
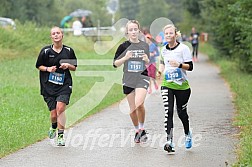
159,72
46,69
180,66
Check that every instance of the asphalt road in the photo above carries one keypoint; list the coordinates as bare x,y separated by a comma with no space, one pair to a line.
106,138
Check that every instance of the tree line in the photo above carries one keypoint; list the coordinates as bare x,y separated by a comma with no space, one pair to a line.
228,23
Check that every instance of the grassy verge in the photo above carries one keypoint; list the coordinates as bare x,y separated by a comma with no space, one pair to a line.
23,113
241,86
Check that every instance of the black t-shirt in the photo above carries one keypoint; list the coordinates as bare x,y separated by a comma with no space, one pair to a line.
48,57
135,67
195,38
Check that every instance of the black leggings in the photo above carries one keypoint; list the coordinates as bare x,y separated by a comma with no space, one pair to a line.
195,50
182,97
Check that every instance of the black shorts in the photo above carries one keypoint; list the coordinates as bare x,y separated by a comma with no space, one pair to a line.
141,83
52,101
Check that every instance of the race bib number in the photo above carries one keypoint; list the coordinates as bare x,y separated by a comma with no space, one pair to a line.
135,66
56,78
172,75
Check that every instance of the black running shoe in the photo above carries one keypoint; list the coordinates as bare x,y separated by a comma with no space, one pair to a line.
169,146
143,135
137,137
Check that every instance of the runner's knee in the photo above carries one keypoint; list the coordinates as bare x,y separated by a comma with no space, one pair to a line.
140,107
54,115
182,114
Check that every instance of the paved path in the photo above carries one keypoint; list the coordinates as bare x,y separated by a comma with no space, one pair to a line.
105,139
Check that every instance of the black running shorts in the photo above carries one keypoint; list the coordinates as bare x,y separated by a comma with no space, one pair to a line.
52,101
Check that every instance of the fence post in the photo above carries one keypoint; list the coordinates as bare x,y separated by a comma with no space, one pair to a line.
98,31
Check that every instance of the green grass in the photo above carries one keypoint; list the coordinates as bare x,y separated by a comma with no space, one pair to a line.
24,115
241,85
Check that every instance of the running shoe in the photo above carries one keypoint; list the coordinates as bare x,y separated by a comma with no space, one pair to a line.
60,140
137,137
52,133
188,140
143,135
169,146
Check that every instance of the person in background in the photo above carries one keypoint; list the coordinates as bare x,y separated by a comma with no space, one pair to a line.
133,54
154,53
77,27
83,22
54,64
194,38
184,38
160,39
175,60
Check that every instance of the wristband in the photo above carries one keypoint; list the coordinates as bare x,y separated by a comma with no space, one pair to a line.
180,66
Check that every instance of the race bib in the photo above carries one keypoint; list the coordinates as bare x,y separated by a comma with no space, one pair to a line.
194,41
56,78
172,75
135,66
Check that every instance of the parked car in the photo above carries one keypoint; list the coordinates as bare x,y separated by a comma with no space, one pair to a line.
7,22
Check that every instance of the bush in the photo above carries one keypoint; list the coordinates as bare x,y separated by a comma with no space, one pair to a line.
242,21
25,40
229,24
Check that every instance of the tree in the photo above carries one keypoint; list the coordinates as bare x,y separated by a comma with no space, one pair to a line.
241,21
148,12
5,7
50,12
229,24
98,8
129,9
193,6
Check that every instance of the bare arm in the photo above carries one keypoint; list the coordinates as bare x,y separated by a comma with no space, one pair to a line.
48,69
67,65
186,65
120,61
160,70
